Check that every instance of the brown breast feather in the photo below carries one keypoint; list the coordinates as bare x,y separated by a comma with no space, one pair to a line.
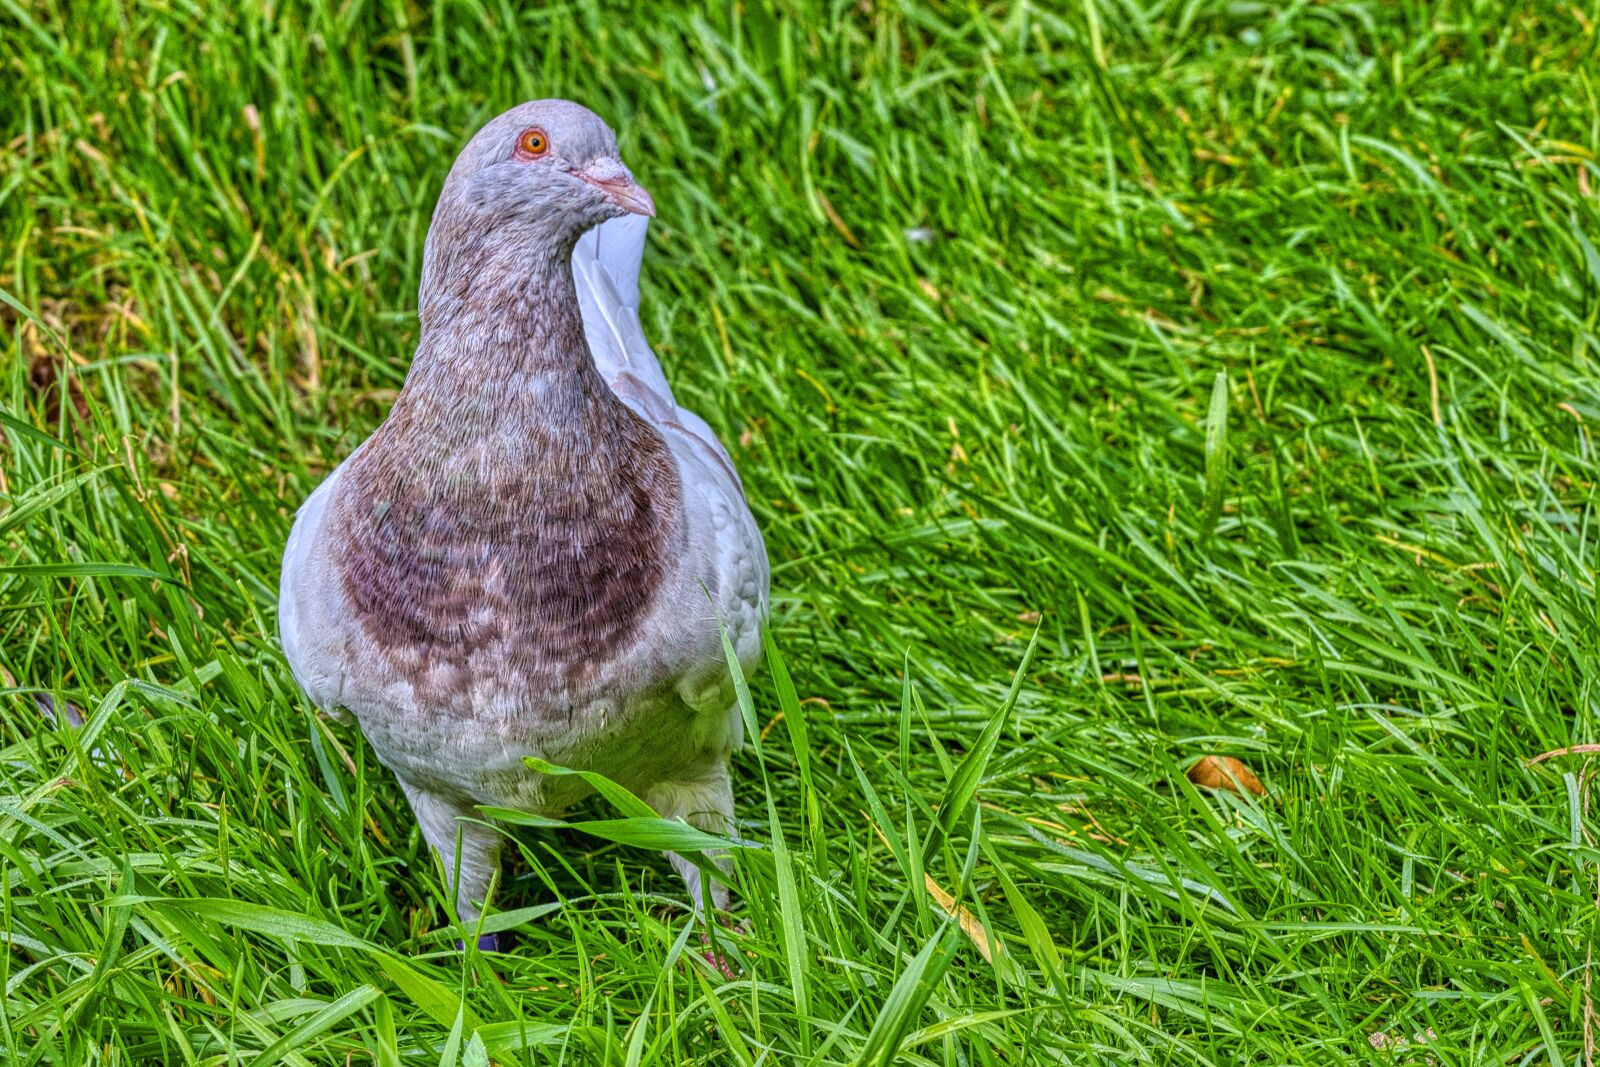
522,563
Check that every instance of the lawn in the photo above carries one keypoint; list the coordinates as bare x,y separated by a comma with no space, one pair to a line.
1118,383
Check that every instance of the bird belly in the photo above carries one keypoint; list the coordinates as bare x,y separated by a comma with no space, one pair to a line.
636,731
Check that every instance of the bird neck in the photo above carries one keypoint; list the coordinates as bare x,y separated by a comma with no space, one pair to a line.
502,339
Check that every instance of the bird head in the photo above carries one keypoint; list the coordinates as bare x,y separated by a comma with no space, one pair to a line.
549,167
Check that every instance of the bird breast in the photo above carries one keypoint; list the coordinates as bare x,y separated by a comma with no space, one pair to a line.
524,566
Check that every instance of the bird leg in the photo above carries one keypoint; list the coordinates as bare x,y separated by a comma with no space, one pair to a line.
469,852
706,803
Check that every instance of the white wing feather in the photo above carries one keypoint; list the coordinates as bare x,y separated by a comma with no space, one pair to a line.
605,266
297,588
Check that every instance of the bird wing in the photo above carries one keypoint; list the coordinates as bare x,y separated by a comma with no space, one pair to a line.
736,574
321,682
725,544
605,267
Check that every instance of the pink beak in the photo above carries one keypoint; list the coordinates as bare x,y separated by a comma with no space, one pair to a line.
613,179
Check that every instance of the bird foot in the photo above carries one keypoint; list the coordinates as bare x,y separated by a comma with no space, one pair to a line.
486,943
715,956
720,962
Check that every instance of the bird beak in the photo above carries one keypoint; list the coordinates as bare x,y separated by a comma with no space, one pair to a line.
613,179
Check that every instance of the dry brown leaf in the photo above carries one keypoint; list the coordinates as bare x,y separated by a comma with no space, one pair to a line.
1571,750
838,223
1225,772
969,922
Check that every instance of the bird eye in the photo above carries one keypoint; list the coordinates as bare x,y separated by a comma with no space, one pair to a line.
533,143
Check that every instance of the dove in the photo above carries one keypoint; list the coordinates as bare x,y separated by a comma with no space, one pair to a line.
537,552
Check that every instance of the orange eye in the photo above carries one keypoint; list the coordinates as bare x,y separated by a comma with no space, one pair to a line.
533,143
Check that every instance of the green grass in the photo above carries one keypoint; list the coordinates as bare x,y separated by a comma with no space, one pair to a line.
1243,358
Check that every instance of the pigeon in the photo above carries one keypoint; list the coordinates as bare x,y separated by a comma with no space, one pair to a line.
538,552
